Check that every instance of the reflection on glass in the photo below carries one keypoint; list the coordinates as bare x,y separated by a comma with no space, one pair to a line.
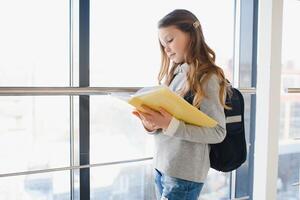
289,175
289,149
48,186
133,181
124,38
116,134
289,143
34,133
34,40
217,186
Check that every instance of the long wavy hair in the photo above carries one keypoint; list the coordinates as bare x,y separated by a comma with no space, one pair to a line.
201,58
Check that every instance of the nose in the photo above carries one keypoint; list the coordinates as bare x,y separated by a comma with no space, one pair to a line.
167,49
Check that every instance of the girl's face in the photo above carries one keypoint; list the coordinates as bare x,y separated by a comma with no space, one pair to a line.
175,43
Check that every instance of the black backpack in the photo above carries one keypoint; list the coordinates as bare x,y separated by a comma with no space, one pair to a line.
232,151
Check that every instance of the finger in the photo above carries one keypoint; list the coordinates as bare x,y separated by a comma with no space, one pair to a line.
149,110
164,112
147,117
155,127
136,114
143,115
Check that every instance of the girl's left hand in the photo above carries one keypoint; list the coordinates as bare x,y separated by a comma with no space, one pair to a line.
160,118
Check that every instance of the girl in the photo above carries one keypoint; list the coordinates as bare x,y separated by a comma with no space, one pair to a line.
181,158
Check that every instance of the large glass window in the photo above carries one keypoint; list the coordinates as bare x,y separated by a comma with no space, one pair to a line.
34,133
34,40
35,130
123,181
116,134
289,143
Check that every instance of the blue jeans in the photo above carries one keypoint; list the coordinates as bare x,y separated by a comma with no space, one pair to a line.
170,188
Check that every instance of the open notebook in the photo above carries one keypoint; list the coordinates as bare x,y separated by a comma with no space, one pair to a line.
162,96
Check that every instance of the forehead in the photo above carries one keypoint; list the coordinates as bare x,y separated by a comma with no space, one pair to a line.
168,31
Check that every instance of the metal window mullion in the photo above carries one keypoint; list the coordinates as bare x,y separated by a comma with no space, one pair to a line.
84,101
71,98
236,69
253,98
268,99
236,49
71,84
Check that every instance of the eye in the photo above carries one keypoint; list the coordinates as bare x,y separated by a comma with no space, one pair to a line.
170,40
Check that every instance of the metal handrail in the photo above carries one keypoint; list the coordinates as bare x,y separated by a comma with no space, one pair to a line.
296,184
24,91
73,167
242,198
292,90
40,91
250,90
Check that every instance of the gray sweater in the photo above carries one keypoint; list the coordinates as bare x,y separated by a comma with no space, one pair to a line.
182,150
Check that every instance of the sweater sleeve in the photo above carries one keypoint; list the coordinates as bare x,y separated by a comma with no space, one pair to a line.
210,106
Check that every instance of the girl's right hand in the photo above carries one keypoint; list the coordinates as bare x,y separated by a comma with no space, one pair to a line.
147,125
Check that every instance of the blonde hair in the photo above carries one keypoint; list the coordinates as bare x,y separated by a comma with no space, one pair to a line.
200,58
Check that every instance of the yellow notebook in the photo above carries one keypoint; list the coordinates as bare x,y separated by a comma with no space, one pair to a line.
162,96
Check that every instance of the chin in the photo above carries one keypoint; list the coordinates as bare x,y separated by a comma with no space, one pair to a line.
176,61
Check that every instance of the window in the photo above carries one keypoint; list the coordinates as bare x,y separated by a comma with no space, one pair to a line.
34,42
34,132
289,161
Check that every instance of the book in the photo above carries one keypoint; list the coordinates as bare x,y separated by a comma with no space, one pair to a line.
162,96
